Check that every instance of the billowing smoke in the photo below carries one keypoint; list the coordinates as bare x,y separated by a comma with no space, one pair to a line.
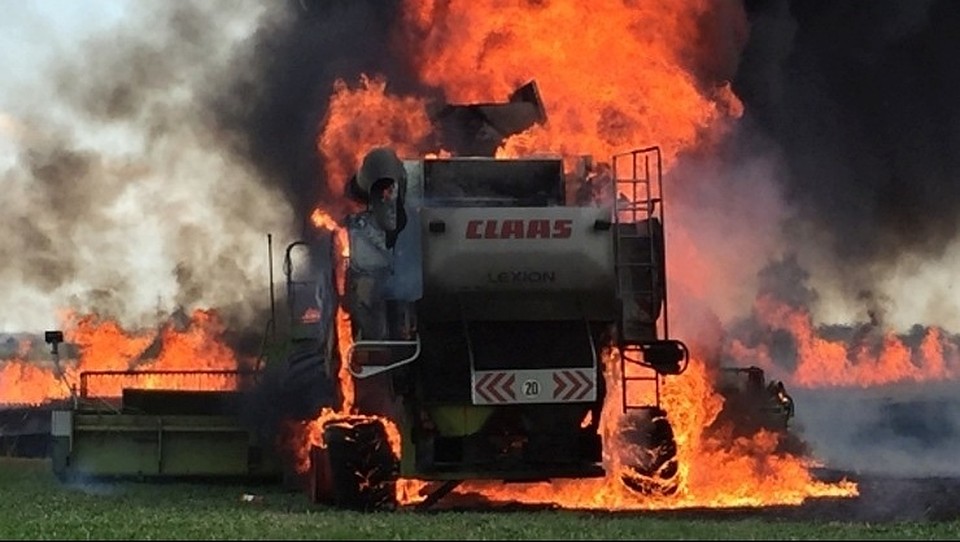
851,107
722,212
861,98
149,163
905,429
825,227
274,100
120,198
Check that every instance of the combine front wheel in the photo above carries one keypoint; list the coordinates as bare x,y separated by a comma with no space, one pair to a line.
648,452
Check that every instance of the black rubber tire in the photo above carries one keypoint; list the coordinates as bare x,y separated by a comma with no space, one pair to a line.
363,468
648,453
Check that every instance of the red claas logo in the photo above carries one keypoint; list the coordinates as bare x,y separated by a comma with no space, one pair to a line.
519,229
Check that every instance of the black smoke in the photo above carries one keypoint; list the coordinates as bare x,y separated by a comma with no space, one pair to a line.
861,96
274,99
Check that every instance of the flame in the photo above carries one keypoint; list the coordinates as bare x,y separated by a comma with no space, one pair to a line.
713,472
344,328
325,221
26,383
364,117
745,472
833,362
104,345
299,437
302,435
612,73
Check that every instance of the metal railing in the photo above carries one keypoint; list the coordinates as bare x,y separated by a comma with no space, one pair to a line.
92,382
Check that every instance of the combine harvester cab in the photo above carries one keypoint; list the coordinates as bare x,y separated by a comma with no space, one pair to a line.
484,294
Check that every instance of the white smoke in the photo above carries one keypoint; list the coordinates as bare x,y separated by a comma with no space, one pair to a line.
119,193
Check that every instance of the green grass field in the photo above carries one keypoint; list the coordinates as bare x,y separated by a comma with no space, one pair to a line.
34,505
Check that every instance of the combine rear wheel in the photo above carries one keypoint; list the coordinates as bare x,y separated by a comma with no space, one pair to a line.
362,467
648,452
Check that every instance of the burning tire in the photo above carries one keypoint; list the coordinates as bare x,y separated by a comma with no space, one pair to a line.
648,452
362,467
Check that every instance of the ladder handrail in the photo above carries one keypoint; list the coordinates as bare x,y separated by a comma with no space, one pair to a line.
640,209
646,203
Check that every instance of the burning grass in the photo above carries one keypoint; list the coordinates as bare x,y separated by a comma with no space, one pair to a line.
33,505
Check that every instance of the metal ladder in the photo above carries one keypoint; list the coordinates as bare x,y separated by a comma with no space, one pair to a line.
638,187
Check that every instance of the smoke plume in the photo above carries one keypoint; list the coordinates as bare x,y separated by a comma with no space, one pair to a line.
273,103
823,230
120,199
150,162
861,98
898,430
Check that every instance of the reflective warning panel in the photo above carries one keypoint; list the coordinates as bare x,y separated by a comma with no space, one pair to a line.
534,386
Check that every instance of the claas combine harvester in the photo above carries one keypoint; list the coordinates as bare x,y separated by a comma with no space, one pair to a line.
483,295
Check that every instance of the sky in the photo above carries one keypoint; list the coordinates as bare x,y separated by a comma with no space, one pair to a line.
31,33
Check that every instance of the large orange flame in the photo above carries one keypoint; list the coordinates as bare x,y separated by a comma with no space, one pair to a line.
103,345
822,361
613,74
360,118
300,437
341,240
713,473
24,382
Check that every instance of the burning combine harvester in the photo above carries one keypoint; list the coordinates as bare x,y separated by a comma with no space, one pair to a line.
464,325
470,315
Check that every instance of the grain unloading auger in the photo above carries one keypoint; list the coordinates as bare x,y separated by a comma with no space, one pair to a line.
483,294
